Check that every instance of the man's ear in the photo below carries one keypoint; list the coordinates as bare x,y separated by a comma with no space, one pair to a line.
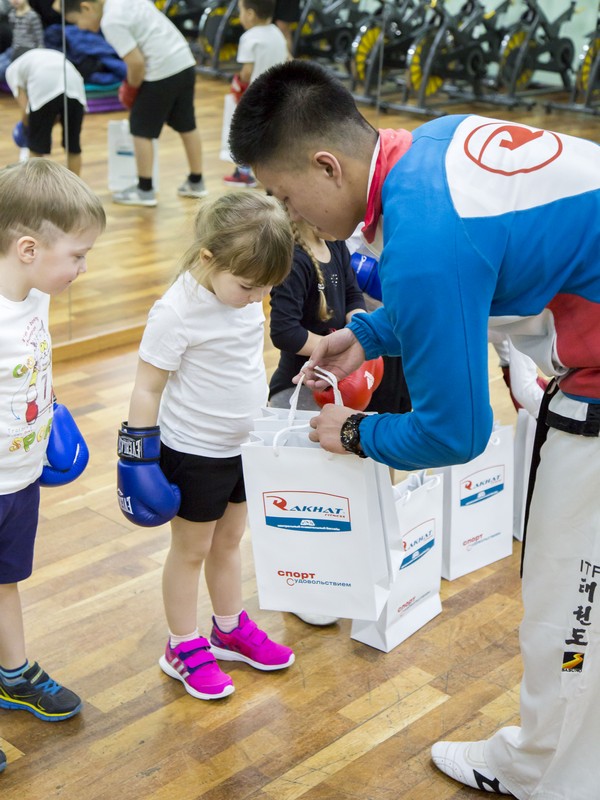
26,249
326,161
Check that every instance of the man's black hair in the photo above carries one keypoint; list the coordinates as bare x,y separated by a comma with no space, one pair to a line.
290,106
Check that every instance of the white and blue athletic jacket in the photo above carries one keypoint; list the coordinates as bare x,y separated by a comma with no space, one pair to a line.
485,223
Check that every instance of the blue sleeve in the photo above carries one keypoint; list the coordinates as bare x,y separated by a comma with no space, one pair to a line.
437,291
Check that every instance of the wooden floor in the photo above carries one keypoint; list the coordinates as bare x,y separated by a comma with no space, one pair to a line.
345,722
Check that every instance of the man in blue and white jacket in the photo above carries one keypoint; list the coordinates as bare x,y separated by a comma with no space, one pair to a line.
479,222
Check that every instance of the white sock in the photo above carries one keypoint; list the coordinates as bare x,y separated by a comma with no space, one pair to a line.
175,640
228,624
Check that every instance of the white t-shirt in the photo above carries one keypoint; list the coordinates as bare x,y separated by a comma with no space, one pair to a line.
214,353
127,24
264,46
40,73
25,389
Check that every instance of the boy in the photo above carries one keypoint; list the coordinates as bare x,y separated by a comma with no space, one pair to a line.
27,33
477,218
261,46
159,87
36,79
49,220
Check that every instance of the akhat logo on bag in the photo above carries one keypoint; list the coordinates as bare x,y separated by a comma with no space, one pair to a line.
307,511
417,542
482,485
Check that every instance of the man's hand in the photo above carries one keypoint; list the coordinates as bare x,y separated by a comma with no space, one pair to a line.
327,426
339,352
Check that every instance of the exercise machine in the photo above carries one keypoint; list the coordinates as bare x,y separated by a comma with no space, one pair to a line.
219,33
326,30
533,45
585,95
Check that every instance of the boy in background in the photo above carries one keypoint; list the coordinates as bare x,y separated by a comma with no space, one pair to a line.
49,220
27,33
36,79
159,87
261,46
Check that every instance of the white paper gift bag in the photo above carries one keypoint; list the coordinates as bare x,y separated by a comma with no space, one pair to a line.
478,508
523,446
415,593
122,170
229,106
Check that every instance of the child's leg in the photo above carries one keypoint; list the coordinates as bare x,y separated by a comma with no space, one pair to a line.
193,150
190,545
12,636
223,570
144,156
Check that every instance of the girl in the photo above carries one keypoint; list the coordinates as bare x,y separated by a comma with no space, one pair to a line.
319,296
201,377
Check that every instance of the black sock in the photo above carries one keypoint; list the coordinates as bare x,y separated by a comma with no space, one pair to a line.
195,177
145,184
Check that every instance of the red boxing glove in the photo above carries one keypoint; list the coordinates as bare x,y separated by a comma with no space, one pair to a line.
238,87
127,94
357,388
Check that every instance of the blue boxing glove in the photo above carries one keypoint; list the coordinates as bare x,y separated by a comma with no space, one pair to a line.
145,495
367,276
21,135
67,454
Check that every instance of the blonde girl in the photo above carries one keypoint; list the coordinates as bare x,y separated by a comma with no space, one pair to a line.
201,379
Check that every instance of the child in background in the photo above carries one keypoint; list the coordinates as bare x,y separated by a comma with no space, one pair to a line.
201,378
319,295
49,220
261,46
27,33
159,88
36,79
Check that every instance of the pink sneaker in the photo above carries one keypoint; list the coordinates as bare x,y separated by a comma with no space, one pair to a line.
195,666
248,643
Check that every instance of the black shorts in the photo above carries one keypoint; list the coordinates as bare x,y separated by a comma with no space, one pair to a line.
18,526
43,120
169,101
207,485
287,10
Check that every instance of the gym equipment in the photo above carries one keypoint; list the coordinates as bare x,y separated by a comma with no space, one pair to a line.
184,14
219,32
382,42
326,29
585,95
67,454
20,135
535,44
451,53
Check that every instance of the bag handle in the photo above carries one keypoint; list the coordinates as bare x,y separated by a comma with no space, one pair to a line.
327,376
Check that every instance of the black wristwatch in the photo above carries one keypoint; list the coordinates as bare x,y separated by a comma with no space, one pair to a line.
350,435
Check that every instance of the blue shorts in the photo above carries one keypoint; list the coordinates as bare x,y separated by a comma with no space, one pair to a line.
19,513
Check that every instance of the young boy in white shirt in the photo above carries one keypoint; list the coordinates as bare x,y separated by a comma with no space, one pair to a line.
261,46
159,87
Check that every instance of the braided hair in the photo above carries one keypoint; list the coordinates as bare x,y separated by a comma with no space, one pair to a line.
324,311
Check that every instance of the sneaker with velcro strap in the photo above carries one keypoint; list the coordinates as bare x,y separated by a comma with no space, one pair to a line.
249,644
134,196
37,693
195,666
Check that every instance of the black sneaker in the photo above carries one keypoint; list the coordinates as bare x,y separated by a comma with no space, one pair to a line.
2,761
40,695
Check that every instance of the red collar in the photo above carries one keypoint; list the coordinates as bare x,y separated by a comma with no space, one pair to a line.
392,146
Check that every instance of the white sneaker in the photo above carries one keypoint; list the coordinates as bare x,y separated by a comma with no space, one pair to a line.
134,196
316,619
464,762
189,189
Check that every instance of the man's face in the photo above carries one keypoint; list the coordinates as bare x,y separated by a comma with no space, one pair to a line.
316,194
87,18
